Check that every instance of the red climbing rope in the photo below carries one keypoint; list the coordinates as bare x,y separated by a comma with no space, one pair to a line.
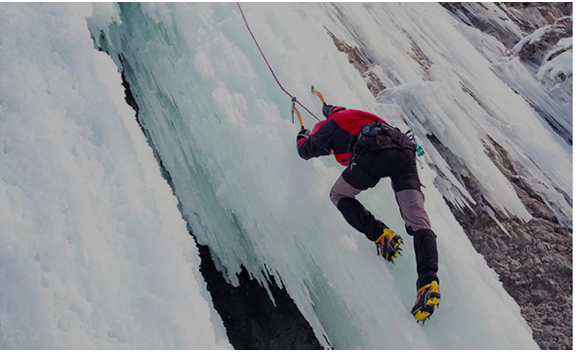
272,71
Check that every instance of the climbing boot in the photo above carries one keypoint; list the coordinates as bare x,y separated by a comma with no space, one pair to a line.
388,245
428,299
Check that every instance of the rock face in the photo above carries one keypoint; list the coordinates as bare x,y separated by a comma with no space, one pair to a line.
527,16
540,35
536,51
361,62
534,260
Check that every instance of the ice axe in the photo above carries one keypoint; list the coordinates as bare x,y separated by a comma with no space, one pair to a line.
319,95
294,109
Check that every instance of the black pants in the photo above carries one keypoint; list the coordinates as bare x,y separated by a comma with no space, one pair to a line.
400,166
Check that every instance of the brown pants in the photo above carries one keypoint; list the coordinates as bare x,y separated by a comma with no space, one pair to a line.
410,202
400,167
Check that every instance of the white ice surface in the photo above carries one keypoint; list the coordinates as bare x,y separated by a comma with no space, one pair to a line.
94,253
223,129
93,250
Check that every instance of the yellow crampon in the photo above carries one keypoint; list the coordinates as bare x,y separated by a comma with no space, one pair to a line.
427,300
388,245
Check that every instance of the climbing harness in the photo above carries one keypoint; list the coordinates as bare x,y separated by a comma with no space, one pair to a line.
294,100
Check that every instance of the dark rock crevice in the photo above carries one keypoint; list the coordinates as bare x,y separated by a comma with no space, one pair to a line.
251,319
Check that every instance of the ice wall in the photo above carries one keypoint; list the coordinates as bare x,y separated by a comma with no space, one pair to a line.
455,82
222,128
94,253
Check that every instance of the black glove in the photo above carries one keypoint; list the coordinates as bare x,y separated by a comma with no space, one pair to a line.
303,134
327,110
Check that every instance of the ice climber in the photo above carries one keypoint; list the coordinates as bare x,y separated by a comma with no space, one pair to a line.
371,149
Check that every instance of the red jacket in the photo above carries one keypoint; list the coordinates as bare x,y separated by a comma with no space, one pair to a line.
337,134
